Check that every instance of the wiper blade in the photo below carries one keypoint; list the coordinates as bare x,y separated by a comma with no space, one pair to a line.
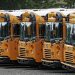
58,38
52,40
26,39
1,38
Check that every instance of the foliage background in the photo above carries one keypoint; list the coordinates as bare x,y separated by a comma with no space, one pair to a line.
35,4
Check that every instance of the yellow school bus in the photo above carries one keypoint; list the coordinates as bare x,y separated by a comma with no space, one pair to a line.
53,44
69,45
9,38
31,40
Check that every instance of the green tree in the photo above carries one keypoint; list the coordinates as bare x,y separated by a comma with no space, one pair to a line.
70,3
32,4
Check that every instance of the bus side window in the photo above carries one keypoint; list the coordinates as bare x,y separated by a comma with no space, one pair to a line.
42,30
60,29
16,29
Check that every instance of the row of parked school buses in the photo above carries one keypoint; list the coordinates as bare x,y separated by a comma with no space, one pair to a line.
32,39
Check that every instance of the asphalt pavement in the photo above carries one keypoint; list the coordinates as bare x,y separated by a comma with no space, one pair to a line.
27,70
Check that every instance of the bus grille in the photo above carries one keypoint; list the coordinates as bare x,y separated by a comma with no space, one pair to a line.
47,53
22,52
1,51
69,57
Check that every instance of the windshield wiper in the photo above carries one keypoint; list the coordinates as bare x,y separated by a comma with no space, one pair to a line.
1,38
26,39
68,42
52,40
58,39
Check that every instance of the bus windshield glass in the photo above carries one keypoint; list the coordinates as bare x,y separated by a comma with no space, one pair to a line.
54,30
25,30
70,33
4,30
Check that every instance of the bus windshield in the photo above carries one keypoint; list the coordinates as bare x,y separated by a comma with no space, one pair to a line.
70,33
25,30
54,30
4,30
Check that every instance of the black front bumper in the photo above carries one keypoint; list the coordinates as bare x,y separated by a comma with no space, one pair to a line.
4,59
26,61
66,65
51,63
